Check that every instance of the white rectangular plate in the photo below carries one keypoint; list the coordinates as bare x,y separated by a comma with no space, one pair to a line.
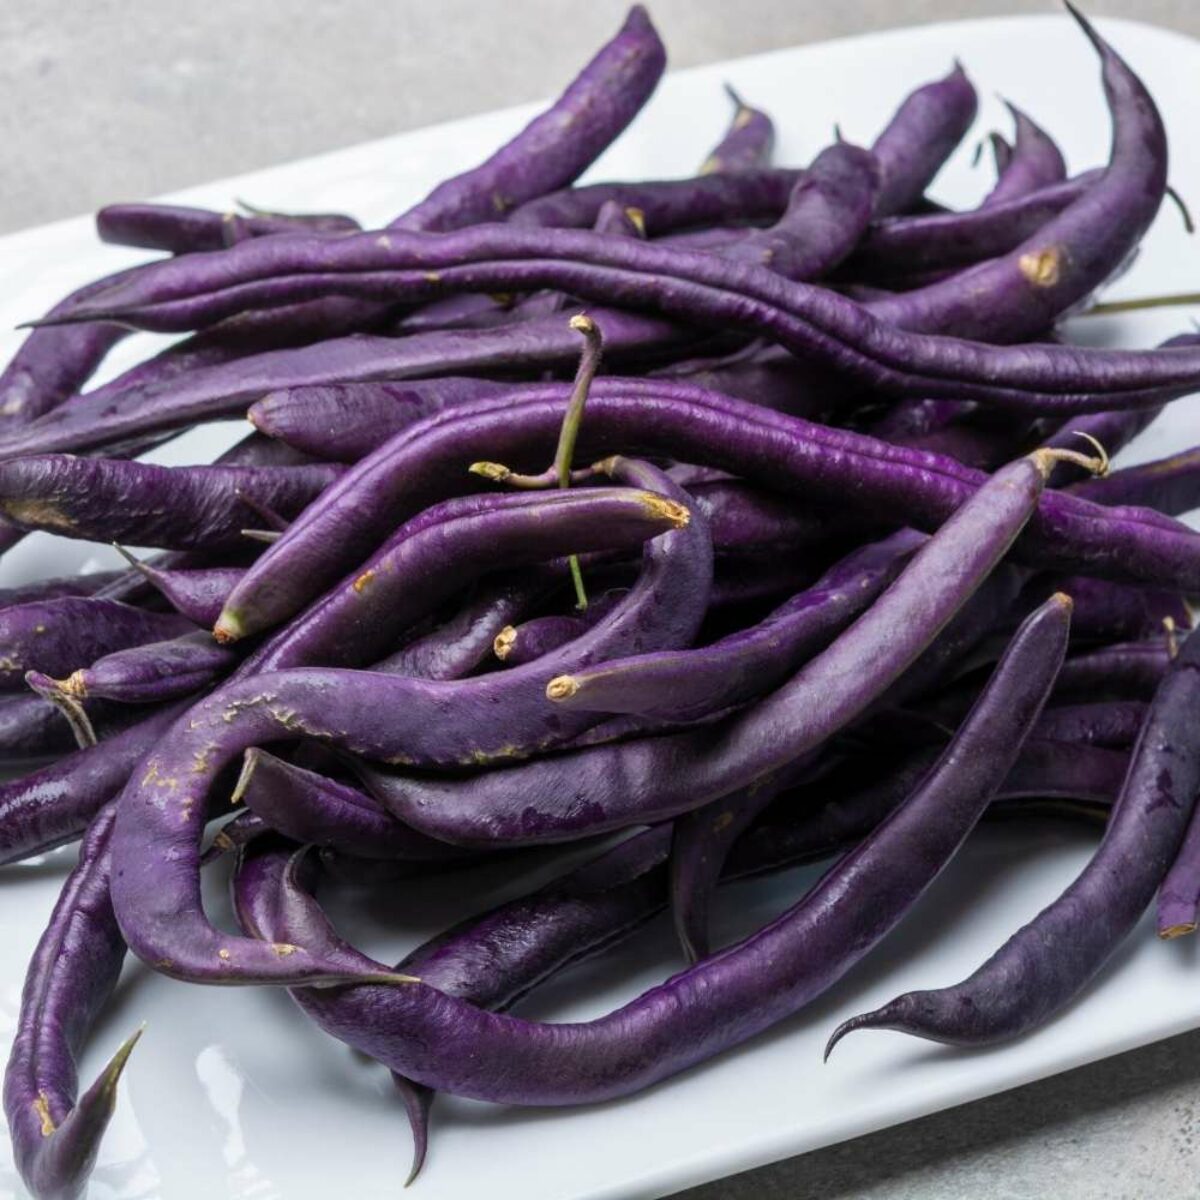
232,1094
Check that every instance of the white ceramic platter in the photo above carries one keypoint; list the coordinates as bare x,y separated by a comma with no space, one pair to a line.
232,1094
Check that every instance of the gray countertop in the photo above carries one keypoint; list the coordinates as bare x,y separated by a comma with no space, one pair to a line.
108,99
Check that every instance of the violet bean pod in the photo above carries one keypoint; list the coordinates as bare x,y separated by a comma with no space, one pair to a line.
1036,161
1045,964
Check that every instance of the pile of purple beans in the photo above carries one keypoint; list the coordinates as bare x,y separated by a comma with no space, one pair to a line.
754,518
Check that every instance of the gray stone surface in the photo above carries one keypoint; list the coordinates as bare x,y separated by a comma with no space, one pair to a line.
127,98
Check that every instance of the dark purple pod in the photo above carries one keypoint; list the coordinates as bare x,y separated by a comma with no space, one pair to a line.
1045,964
747,143
924,132
179,229
55,1132
343,422
684,684
198,593
1127,670
901,246
1112,723
464,641
1032,285
1171,485
57,589
153,672
446,1043
558,145
179,508
695,426
1108,611
53,805
310,808
516,645
612,786
32,728
671,204
827,214
57,636
1035,162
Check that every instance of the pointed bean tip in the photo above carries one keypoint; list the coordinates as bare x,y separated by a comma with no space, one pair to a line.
675,514
228,628
496,472
1180,929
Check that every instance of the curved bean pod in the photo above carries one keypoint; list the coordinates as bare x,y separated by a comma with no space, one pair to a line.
198,593
56,1133
1132,670
614,786
182,508
56,636
780,452
52,806
920,137
684,684
747,143
179,229
447,1043
1113,723
1035,163
1047,962
559,144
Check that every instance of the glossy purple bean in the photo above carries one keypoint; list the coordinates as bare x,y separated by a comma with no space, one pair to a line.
1110,612
310,808
1045,964
516,645
460,644
684,684
198,593
670,204
57,636
55,1132
555,148
179,229
1171,484
1035,163
343,422
52,364
153,672
1061,264
1127,670
827,214
614,786
447,1043
696,426
180,508
920,137
747,142
903,245
1112,723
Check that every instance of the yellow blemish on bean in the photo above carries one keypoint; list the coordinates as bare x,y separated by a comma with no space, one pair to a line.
363,581
223,953
41,1106
283,949
41,513
1043,268
433,277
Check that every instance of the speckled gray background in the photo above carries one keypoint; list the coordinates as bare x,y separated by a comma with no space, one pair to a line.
127,98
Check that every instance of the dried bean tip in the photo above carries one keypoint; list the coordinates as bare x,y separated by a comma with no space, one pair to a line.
637,218
228,628
562,687
582,323
1172,632
1046,459
502,643
496,472
670,510
1181,929
250,761
1063,599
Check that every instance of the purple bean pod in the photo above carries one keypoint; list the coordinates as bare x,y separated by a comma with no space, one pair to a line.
610,787
1127,670
554,149
696,426
57,636
747,142
1036,161
198,593
180,508
56,1132
1044,965
1112,723
924,132
179,229
447,1043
